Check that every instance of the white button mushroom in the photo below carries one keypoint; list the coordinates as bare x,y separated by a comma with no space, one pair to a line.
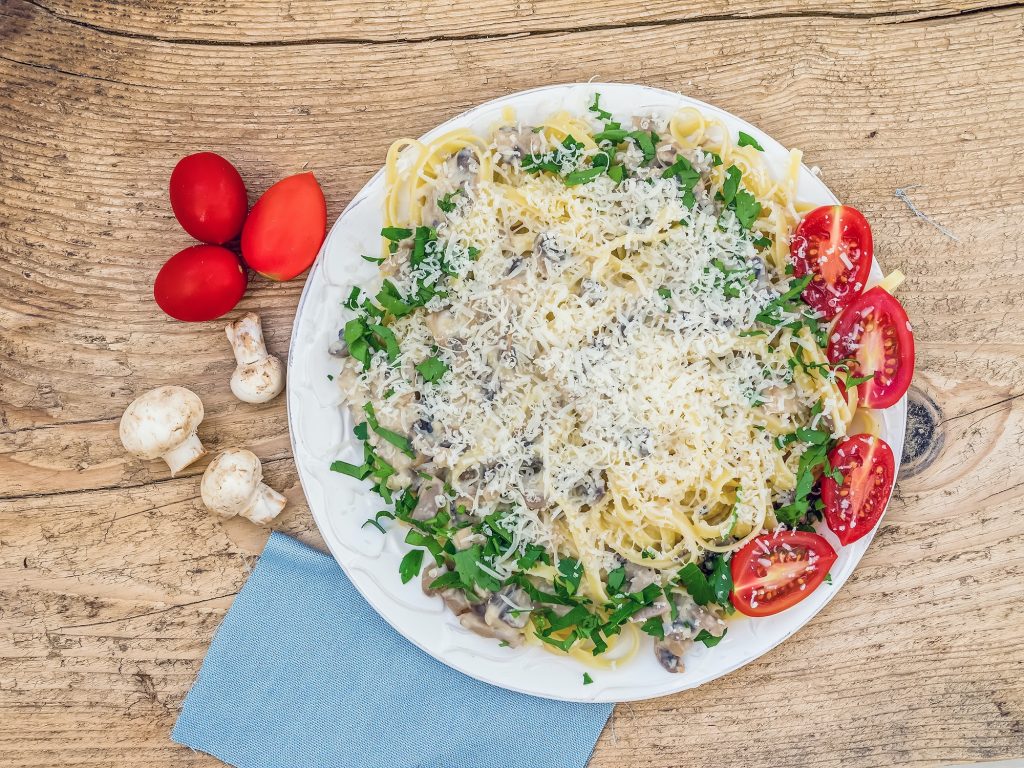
162,424
259,376
233,485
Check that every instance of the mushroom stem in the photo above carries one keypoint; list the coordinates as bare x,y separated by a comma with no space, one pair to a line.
266,505
184,454
259,376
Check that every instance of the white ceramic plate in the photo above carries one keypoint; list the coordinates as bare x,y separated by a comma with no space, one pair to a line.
321,433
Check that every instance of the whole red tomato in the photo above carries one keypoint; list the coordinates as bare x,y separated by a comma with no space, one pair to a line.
200,283
208,197
286,228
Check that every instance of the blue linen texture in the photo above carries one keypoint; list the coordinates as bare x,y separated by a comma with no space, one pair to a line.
303,673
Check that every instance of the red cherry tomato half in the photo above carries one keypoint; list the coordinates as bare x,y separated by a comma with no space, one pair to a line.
834,244
200,283
777,570
874,335
286,228
853,507
208,197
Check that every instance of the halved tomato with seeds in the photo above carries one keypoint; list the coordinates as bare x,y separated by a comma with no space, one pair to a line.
777,570
834,244
873,338
854,504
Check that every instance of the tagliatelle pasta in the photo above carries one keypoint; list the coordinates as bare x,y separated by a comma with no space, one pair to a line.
587,376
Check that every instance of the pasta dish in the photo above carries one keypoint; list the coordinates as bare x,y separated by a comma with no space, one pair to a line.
614,378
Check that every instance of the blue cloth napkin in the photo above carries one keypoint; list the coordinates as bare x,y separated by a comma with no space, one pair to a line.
304,673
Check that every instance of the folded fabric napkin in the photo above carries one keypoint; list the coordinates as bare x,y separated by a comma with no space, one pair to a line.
304,673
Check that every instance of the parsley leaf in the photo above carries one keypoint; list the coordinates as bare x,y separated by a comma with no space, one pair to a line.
432,369
596,108
853,381
467,565
396,234
645,141
696,583
614,135
655,627
530,555
730,185
446,203
721,581
358,472
587,679
616,578
411,564
401,442
352,302
746,140
582,177
572,572
708,639
747,208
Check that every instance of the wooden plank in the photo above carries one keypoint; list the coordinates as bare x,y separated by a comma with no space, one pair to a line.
265,22
112,576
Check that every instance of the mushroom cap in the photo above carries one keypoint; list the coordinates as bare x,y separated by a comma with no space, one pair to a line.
231,481
258,382
159,420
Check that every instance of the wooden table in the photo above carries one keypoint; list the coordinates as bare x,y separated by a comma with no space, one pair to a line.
113,575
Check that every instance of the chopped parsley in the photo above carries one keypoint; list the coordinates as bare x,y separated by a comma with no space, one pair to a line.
746,140
654,627
582,177
447,203
587,679
696,583
411,564
710,640
432,369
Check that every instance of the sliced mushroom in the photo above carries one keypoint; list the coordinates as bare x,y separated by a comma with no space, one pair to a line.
428,494
666,153
510,606
531,480
472,621
670,653
454,599
592,488
513,143
548,246
464,538
467,162
681,631
639,577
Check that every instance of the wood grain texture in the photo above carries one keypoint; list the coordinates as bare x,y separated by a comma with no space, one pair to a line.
273,22
113,577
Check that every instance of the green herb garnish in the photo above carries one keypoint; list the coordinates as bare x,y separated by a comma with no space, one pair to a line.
411,564
582,177
432,369
655,627
710,640
746,140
